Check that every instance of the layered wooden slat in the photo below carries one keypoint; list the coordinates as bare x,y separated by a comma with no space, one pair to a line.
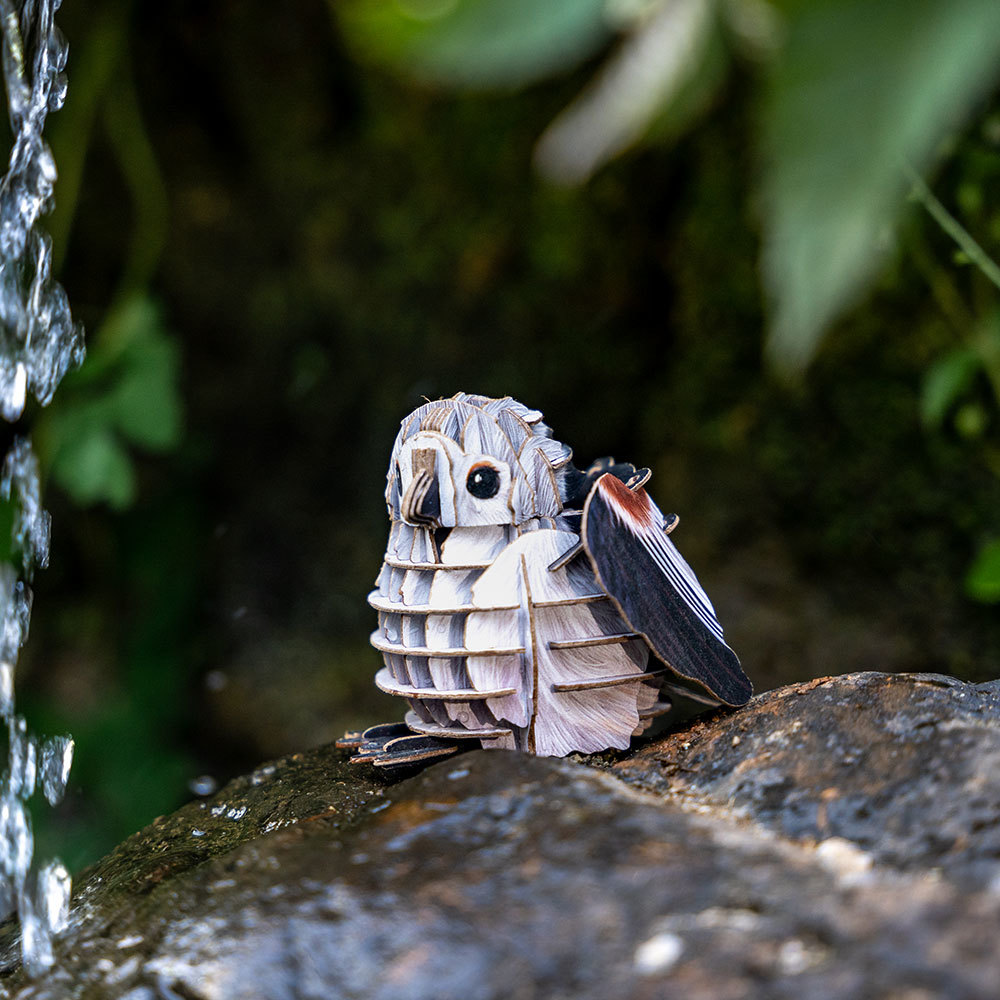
385,646
454,732
592,640
387,683
380,603
405,564
409,749
604,682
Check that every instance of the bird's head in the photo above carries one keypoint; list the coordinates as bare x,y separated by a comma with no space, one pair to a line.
470,460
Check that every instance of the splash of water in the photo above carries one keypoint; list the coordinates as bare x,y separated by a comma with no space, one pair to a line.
40,898
39,343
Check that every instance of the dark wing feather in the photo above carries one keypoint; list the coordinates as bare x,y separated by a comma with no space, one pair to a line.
656,591
577,484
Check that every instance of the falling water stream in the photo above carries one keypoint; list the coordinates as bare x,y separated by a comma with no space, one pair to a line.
39,342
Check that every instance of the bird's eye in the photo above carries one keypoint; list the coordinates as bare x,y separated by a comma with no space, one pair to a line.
483,482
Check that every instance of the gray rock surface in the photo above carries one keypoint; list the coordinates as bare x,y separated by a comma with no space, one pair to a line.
905,766
831,839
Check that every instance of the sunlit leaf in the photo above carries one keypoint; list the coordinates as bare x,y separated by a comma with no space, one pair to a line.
860,90
945,382
982,583
476,42
635,86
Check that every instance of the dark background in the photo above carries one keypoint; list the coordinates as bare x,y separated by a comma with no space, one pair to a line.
317,244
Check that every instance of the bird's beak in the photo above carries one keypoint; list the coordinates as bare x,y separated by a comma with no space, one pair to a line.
421,503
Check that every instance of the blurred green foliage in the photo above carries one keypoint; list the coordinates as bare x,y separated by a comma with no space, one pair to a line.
855,95
947,381
983,580
852,93
125,394
859,91
502,42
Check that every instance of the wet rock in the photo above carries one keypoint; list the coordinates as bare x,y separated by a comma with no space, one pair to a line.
294,789
702,866
905,766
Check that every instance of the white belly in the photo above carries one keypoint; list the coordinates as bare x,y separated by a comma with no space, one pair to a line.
485,642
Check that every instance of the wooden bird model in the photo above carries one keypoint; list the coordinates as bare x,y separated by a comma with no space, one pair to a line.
524,604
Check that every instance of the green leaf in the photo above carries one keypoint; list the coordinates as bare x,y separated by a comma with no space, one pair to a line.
945,382
982,582
127,389
92,466
860,90
145,401
135,371
476,42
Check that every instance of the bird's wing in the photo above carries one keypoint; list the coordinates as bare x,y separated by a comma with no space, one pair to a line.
577,483
656,591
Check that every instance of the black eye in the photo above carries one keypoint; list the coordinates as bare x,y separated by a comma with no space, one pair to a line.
483,482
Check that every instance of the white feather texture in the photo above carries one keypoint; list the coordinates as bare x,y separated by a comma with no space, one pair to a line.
479,635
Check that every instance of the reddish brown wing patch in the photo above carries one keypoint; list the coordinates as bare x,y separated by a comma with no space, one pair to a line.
635,509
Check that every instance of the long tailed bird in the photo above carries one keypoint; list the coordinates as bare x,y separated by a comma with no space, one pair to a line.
524,604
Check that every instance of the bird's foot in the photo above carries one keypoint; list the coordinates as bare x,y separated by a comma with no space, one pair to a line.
394,744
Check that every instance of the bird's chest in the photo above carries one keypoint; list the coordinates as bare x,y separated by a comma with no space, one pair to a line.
426,593
427,573
483,638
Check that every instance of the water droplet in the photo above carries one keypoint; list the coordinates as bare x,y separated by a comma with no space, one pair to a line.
204,784
658,954
6,687
18,390
57,759
16,844
54,888
215,680
262,774
22,769
47,166
36,942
